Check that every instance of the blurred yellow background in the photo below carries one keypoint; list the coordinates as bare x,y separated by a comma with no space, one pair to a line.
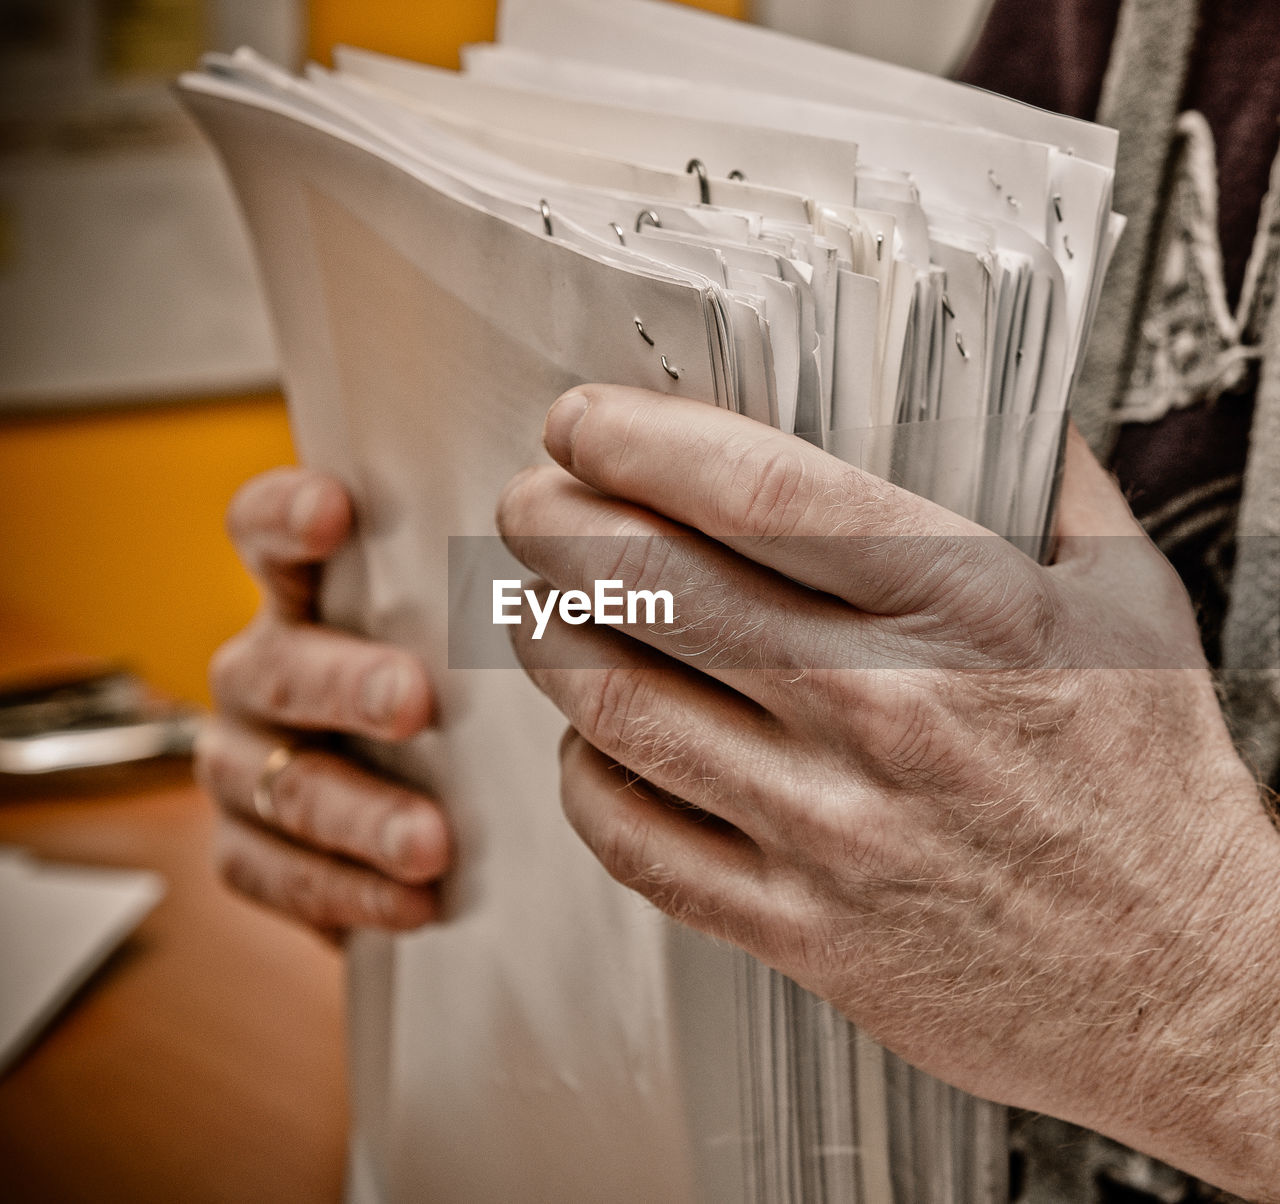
111,522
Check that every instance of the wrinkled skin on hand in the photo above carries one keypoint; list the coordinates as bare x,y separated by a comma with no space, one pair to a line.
989,809
341,847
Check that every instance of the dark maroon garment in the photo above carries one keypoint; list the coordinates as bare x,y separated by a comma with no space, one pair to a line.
1053,53
1182,473
1050,53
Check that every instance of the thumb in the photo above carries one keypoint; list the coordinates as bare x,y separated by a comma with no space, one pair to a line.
1123,575
1090,502
1100,540
285,524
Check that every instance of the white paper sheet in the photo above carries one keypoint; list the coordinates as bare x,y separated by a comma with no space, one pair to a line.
58,923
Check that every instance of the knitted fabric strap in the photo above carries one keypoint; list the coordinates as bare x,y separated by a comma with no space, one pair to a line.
1141,95
1251,633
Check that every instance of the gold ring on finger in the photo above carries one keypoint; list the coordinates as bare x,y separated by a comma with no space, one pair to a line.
278,760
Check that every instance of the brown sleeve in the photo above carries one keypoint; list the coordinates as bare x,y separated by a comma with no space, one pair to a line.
1050,53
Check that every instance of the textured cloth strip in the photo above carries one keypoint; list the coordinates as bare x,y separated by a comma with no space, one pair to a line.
1251,635
1141,95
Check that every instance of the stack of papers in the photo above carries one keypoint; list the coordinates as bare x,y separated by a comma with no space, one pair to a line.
898,269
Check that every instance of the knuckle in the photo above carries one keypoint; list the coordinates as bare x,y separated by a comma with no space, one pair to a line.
1043,614
611,706
302,891
641,559
620,846
325,687
766,495
614,449
1002,610
297,797
961,574
285,680
625,848
262,671
236,867
905,730
270,686
796,941
1027,618
685,902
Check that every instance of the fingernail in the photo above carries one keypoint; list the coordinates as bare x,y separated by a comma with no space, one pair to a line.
385,691
562,422
305,507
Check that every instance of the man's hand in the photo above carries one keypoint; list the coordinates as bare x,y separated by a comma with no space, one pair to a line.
312,834
989,809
